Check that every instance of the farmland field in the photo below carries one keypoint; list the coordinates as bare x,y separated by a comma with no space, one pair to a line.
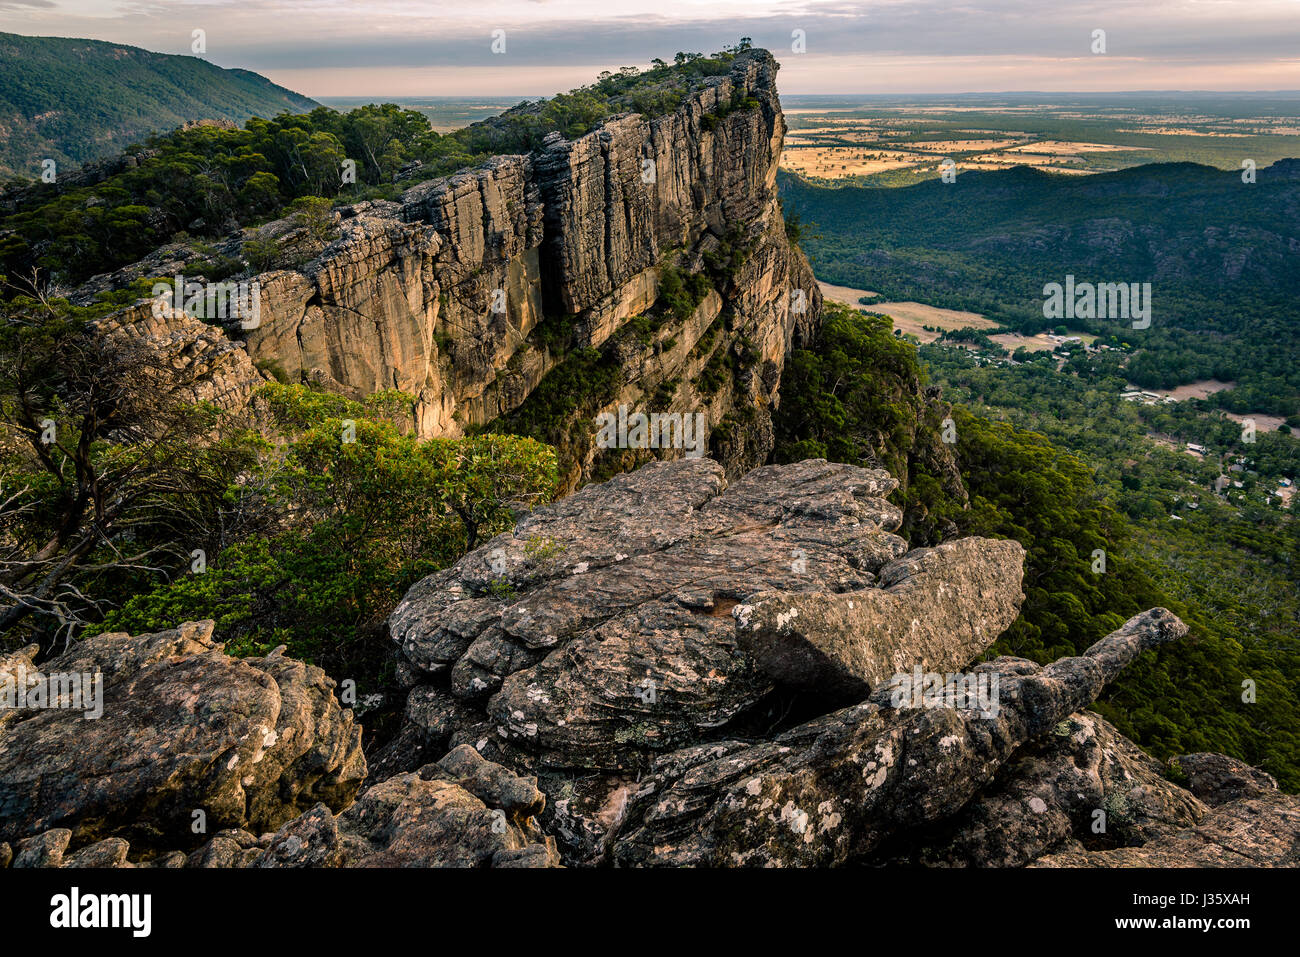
897,141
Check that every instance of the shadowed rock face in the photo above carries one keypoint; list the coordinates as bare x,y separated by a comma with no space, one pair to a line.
251,742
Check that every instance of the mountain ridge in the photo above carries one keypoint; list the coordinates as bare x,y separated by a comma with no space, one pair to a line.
75,101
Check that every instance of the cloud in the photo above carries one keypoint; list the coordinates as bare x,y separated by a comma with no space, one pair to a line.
328,42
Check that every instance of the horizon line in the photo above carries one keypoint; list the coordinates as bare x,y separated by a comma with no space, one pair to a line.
507,96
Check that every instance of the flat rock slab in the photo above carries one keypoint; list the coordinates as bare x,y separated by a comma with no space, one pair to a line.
938,608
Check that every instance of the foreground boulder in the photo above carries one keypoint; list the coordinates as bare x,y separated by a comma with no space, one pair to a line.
1083,781
708,674
556,637
936,608
660,671
838,787
186,733
460,812
1259,831
607,628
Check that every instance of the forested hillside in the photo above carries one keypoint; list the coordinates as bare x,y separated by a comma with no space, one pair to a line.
990,242
201,183
73,101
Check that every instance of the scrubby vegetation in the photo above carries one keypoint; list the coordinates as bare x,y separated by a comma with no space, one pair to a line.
127,507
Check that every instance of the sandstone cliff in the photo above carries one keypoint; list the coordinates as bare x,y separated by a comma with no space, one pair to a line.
474,287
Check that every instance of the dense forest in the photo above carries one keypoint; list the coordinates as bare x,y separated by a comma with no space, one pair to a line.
990,242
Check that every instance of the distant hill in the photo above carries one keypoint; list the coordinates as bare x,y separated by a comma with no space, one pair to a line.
78,100
1221,255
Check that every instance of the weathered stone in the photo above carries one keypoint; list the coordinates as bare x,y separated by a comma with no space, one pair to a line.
936,608
311,840
1258,831
44,850
184,729
110,852
429,820
603,625
1217,778
1082,781
837,787
493,784
221,851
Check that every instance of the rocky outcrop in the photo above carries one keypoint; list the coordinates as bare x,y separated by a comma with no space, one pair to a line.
1217,779
1248,823
582,692
558,634
1261,831
474,287
936,609
185,734
834,789
460,812
634,647
609,628
1082,781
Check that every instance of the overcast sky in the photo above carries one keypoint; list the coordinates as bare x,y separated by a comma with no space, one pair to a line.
404,48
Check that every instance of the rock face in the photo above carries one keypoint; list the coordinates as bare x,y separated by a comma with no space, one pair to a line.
251,742
634,647
442,294
557,636
460,812
609,628
937,608
833,789
1083,778
588,689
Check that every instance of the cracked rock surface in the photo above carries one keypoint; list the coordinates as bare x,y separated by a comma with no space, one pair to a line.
249,742
620,681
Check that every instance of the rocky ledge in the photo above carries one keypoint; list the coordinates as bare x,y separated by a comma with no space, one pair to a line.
665,669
